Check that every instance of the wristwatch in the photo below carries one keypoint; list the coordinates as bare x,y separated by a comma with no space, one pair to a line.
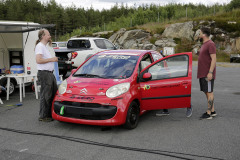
210,72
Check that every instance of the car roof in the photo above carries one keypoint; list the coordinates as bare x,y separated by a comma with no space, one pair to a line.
76,38
60,42
133,52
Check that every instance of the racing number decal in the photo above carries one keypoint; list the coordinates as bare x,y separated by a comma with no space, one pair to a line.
146,87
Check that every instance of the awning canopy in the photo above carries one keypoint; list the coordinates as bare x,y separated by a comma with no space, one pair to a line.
21,27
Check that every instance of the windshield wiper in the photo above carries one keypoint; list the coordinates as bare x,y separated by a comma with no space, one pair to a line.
87,75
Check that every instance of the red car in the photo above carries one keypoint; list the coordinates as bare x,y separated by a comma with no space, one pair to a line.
116,87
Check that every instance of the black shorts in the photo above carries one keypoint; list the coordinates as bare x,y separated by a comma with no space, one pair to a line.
206,86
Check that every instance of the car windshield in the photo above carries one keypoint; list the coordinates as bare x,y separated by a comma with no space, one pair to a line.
108,66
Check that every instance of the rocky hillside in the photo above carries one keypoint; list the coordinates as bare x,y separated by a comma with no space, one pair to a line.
182,36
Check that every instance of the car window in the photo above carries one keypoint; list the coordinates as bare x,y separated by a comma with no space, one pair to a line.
146,60
109,45
100,43
172,67
156,56
62,44
78,43
54,44
108,66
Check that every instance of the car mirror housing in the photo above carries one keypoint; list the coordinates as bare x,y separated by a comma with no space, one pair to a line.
147,76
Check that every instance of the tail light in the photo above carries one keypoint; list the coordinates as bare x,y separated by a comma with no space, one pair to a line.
74,55
56,48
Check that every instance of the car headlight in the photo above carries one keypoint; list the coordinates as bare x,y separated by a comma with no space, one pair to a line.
63,87
117,90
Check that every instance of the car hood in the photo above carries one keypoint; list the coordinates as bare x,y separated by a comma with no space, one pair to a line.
91,86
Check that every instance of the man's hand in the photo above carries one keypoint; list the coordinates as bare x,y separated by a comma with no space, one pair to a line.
40,60
210,76
54,59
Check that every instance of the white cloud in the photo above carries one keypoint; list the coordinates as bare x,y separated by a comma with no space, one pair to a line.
107,4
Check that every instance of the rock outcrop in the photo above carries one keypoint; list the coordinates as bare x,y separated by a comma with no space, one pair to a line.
180,30
172,36
132,39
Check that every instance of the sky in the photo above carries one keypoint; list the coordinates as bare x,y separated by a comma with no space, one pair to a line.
107,4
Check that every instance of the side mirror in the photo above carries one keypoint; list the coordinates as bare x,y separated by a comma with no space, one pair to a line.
73,71
147,76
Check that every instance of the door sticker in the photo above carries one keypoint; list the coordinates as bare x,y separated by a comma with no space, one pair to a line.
146,87
62,110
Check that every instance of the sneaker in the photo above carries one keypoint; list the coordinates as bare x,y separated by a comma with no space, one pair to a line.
206,116
163,113
47,119
213,114
189,112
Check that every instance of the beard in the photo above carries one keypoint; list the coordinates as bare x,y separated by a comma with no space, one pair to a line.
50,42
201,40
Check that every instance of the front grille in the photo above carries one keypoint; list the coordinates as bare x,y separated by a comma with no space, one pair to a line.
88,111
79,104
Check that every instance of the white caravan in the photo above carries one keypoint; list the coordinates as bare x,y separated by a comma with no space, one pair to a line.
17,43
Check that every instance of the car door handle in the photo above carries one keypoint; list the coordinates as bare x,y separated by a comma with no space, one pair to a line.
185,83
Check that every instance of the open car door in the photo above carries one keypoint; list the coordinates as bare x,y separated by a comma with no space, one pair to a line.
167,83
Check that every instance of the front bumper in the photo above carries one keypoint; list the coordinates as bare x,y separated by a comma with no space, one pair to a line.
101,111
87,111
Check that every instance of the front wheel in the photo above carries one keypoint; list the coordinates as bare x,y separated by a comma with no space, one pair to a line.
132,118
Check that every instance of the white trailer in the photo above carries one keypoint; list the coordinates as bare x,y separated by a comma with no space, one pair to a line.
17,43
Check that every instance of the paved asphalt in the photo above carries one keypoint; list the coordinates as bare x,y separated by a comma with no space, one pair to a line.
23,137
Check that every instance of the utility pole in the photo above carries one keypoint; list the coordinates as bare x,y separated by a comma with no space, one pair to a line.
186,12
158,17
55,35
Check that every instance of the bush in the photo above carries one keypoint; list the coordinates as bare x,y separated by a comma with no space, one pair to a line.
222,56
153,40
106,35
184,46
160,30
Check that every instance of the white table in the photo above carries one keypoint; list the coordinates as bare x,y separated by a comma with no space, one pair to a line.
21,83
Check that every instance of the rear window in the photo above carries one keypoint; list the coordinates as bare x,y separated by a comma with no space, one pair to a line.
78,44
54,45
62,44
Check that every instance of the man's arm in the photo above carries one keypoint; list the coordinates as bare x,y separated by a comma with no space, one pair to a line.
40,60
212,67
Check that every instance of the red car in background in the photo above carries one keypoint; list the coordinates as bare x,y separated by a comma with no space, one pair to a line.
116,87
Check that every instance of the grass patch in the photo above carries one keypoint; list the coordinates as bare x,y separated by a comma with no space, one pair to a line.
222,56
153,40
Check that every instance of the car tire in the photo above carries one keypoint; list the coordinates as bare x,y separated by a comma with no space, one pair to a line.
12,86
132,118
231,60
